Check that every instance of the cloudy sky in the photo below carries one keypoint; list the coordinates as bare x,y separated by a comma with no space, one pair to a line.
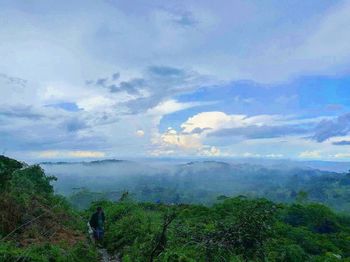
120,78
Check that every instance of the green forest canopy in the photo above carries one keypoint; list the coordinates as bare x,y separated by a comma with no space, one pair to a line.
233,229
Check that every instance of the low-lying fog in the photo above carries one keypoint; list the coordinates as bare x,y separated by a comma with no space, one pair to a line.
175,181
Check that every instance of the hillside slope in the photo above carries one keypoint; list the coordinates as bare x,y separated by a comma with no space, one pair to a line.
36,224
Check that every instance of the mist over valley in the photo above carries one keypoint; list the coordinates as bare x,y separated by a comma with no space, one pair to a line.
203,181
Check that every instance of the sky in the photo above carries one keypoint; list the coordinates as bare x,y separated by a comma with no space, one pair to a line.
185,78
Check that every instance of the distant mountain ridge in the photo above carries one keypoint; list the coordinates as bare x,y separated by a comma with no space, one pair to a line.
94,162
201,181
333,166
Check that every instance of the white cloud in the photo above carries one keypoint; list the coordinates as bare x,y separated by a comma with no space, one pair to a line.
49,154
162,152
180,140
60,45
191,139
171,106
96,103
249,154
342,155
310,154
274,155
212,120
69,154
88,154
211,151
196,137
59,49
140,133
217,120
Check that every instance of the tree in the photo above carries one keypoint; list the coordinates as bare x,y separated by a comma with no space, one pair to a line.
161,239
302,197
7,167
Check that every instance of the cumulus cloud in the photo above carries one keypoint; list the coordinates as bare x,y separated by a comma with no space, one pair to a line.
216,120
140,133
211,151
220,124
172,142
195,131
187,140
210,121
206,129
184,141
265,126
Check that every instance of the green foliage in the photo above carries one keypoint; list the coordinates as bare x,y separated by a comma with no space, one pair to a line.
316,217
234,229
237,229
7,167
245,225
302,197
36,224
47,252
83,199
32,180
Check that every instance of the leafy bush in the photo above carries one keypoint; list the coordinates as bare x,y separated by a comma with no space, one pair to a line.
237,229
36,224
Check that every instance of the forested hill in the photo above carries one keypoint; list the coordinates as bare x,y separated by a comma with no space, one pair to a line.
37,225
198,182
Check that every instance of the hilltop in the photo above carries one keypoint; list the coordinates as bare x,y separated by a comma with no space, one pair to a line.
36,224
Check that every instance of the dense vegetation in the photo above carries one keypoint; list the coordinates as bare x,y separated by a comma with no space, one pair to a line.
236,229
36,224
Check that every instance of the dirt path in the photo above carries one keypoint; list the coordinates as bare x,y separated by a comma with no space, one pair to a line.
105,257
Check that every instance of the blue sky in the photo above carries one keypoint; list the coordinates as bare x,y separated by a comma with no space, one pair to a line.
102,79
